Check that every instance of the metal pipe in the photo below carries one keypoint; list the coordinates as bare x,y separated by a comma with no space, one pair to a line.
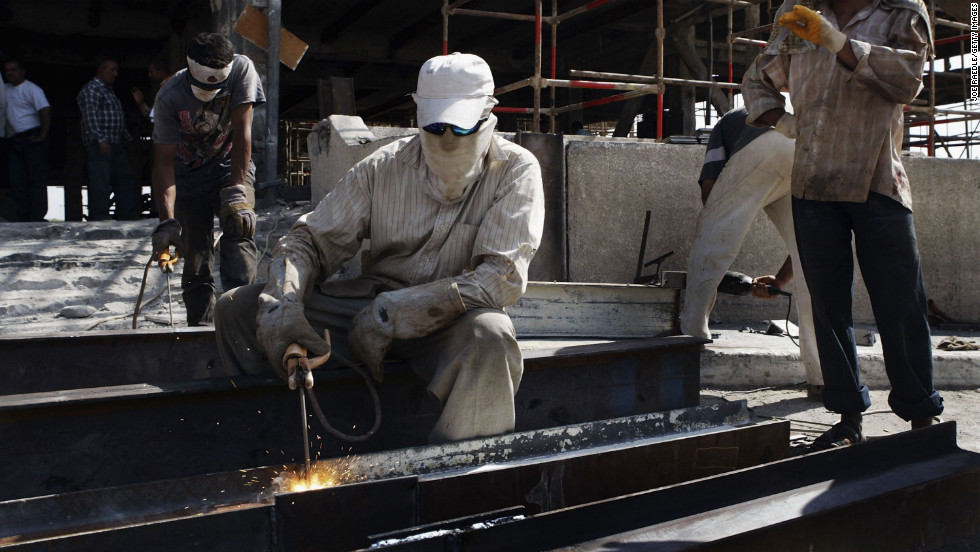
647,79
497,15
563,83
445,26
749,41
661,33
274,13
513,86
733,3
731,55
953,24
554,57
588,7
752,31
711,64
536,126
932,85
602,101
950,40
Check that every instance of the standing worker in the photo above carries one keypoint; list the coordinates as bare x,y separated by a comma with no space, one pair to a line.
28,122
104,136
746,170
850,66
202,166
454,215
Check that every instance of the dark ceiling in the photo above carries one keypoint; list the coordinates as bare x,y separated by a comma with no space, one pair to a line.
380,44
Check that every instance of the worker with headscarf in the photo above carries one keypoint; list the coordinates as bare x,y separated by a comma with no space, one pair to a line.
850,67
454,215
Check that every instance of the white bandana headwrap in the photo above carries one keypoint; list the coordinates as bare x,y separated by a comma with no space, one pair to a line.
206,81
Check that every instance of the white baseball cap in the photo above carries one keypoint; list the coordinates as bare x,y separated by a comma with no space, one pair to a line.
453,89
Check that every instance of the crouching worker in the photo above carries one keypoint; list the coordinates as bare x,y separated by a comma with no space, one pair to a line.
454,215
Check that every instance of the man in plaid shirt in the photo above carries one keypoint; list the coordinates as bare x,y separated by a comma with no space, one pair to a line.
104,137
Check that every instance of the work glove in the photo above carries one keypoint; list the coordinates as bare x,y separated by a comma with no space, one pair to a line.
165,235
237,213
280,317
403,314
812,27
786,125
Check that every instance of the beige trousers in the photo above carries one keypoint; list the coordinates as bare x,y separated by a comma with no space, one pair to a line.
473,366
756,178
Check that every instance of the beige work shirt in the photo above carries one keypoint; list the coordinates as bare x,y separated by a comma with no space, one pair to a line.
484,241
849,123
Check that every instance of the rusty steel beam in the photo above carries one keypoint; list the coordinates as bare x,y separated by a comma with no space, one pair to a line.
80,439
400,489
912,491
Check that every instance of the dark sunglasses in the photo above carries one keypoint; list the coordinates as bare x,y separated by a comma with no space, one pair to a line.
440,128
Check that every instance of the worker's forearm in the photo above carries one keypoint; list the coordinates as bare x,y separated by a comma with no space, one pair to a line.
45,121
785,273
164,189
847,57
241,154
772,116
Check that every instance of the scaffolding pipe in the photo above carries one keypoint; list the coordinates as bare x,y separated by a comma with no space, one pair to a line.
554,57
495,15
513,86
602,101
952,39
731,55
565,83
661,34
711,64
588,7
932,86
750,42
271,153
536,126
445,27
647,79
752,31
953,24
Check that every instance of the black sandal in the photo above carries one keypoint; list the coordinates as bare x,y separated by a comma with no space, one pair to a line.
840,435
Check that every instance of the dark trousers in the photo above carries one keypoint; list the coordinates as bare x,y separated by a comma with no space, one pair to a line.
887,252
29,176
238,255
110,173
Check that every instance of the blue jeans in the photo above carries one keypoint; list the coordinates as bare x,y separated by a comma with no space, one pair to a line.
110,173
29,176
238,254
884,236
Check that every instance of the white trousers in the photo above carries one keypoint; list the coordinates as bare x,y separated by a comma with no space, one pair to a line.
756,178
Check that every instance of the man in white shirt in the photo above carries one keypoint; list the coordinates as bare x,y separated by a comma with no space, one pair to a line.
28,119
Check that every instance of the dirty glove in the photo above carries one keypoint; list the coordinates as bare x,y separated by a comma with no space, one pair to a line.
281,318
402,314
786,125
812,27
237,213
166,234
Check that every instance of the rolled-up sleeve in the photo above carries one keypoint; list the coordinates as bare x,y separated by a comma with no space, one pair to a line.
761,85
894,71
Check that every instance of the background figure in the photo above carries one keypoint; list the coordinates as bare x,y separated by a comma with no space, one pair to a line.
578,129
159,73
28,122
202,167
104,136
746,170
850,66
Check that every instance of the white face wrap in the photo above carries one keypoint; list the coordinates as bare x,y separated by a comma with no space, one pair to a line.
205,75
455,162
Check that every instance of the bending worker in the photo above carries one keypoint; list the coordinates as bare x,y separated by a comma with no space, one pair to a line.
202,167
746,170
454,216
850,66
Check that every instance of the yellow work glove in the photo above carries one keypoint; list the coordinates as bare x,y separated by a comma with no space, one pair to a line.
812,27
